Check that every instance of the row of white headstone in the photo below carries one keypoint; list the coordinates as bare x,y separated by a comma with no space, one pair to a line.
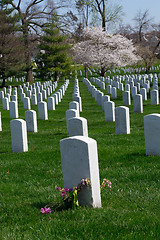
151,121
19,127
119,115
80,152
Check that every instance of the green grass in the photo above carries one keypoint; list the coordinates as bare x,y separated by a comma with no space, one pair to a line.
28,180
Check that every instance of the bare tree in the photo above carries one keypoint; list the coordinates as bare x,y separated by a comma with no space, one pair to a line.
143,22
108,12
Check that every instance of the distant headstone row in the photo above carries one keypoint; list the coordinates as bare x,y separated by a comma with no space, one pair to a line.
19,127
79,154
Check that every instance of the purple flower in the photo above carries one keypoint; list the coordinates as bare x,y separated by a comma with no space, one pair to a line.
58,188
70,189
45,210
63,193
66,189
42,210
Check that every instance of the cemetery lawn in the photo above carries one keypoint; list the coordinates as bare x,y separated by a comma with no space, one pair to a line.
29,180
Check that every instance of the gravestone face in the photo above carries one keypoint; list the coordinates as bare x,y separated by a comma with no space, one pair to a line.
74,105
44,94
114,93
134,91
138,87
19,135
31,120
29,93
78,99
14,98
13,109
109,110
42,111
23,95
79,161
121,88
0,122
126,98
127,87
138,103
122,120
77,126
39,97
143,92
8,96
51,103
1,94
70,114
154,97
58,96
34,99
152,134
26,103
105,98
99,96
55,98
5,103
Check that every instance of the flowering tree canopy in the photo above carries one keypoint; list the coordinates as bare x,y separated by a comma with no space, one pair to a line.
100,49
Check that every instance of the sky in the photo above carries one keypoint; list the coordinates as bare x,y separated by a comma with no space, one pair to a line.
131,8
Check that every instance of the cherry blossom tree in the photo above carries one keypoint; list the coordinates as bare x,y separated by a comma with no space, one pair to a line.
100,49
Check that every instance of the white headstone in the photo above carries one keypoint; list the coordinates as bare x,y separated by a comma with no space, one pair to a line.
134,91
1,94
13,106
19,135
26,103
31,120
126,98
154,97
74,105
152,134
5,103
122,120
70,114
79,161
39,97
105,98
77,126
138,103
51,103
114,93
55,98
109,110
34,99
78,99
42,111
143,92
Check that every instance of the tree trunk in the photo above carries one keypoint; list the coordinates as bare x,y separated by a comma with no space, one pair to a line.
29,75
3,82
85,71
55,76
103,71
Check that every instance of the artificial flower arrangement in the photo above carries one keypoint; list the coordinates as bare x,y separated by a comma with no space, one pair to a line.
70,195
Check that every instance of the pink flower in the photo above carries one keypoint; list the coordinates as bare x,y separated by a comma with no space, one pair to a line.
46,210
42,210
63,193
